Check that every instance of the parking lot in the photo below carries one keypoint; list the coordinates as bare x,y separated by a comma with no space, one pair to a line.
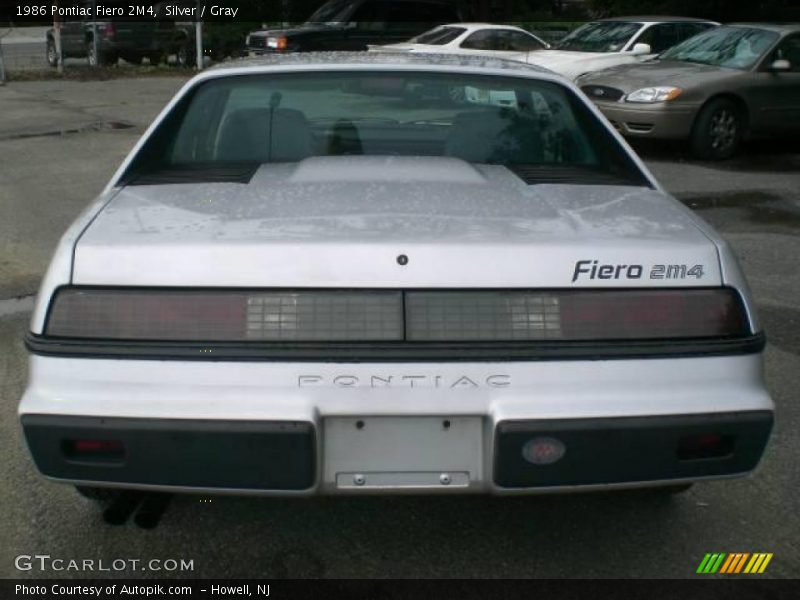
60,142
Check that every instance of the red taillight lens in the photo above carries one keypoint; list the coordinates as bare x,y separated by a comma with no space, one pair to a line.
142,315
108,30
652,314
94,450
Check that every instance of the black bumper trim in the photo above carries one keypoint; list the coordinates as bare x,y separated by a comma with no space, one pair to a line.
260,455
394,352
627,450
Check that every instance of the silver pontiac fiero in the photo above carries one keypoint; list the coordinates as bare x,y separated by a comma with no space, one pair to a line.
353,273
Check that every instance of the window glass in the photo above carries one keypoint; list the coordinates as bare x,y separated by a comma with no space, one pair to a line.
438,36
522,42
331,12
789,49
290,117
733,47
660,37
601,36
690,29
485,39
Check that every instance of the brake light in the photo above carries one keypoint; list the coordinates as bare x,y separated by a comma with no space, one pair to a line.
108,30
661,314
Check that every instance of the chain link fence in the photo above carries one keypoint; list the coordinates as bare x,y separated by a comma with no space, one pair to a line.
22,49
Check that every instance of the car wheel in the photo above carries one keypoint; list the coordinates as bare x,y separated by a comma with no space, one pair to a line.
91,55
717,130
184,57
52,55
155,58
99,58
102,495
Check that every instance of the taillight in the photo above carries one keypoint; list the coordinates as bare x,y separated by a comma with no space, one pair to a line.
107,29
226,316
661,314
277,43
397,316
574,315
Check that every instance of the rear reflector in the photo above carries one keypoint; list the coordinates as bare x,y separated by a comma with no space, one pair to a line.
93,450
703,446
396,316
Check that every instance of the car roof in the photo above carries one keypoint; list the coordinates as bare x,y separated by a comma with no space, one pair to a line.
375,58
657,19
779,27
482,26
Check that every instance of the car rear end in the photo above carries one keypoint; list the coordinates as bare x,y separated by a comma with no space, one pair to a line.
357,322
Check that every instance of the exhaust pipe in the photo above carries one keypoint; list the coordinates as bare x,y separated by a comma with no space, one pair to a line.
151,510
122,508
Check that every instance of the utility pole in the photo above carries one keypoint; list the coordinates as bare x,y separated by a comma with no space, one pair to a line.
94,33
57,41
2,68
198,36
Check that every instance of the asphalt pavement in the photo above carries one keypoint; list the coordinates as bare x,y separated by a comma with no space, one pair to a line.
60,142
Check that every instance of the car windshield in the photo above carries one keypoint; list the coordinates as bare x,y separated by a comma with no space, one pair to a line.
733,47
279,118
602,36
330,12
438,36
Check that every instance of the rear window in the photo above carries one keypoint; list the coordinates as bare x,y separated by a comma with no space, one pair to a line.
438,36
271,118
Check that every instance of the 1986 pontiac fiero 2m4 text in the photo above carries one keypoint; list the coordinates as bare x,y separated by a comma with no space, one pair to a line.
352,273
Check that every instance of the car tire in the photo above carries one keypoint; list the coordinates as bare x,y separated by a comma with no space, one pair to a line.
184,56
101,59
155,58
52,55
101,495
718,130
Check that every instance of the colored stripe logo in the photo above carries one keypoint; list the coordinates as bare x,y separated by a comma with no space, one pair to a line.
734,563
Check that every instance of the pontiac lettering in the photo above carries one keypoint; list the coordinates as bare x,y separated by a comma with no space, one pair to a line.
405,381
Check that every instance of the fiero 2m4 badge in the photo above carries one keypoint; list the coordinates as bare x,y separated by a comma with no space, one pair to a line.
593,269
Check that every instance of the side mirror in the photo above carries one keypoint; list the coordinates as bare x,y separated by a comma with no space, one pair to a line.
639,49
780,65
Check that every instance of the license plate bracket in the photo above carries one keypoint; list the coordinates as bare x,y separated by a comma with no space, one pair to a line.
402,452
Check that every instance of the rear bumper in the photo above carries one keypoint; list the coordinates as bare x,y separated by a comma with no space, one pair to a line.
282,456
607,451
307,428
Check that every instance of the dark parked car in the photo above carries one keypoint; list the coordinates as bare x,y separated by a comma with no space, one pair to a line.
715,89
221,40
354,24
130,40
